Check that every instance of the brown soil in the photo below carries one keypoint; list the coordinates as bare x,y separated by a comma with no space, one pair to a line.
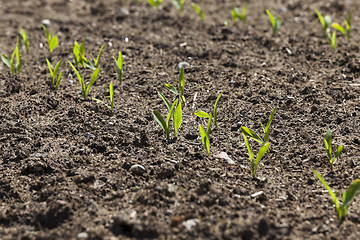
65,162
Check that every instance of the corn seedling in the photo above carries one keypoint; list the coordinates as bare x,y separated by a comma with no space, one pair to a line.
155,3
328,147
25,39
51,39
85,90
275,22
198,11
205,135
237,14
79,54
266,130
15,62
177,119
111,88
54,73
324,21
119,68
179,4
332,40
345,31
347,197
254,162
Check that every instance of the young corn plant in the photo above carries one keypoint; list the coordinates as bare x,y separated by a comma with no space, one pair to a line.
237,14
119,68
275,22
79,54
324,21
248,132
332,40
111,107
25,40
179,4
85,90
155,3
15,62
198,11
347,197
205,135
328,148
54,73
51,39
175,113
345,31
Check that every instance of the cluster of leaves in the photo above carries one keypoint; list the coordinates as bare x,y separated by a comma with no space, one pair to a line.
52,40
80,58
15,62
237,14
275,22
198,11
54,73
328,148
119,68
179,4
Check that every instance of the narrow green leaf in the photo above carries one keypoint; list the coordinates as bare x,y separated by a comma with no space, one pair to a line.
215,109
177,118
351,192
171,88
97,61
46,32
267,128
92,81
328,143
208,126
50,68
181,81
58,81
202,134
271,17
112,95
264,148
339,28
251,154
252,134
56,69
167,103
6,60
332,194
53,43
160,120
339,151
201,114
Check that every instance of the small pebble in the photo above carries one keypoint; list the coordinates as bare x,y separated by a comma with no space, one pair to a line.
183,64
83,235
45,22
137,169
191,223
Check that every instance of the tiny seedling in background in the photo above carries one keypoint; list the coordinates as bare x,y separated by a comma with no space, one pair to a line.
266,130
198,11
205,135
275,22
347,196
332,40
53,74
111,88
324,21
236,14
328,148
25,39
119,68
85,90
179,4
177,119
345,31
79,54
155,3
15,62
254,162
51,39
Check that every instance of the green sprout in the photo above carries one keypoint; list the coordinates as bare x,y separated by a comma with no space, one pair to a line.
345,31
205,135
236,14
275,22
53,74
155,3
179,4
215,109
85,90
79,54
119,68
172,89
347,196
327,141
324,21
332,40
177,118
25,40
198,11
15,62
111,88
255,136
51,39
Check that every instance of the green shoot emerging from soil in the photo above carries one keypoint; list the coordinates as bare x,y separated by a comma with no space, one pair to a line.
111,88
15,62
172,89
347,196
236,14
25,39
275,22
155,3
332,40
85,90
51,39
328,147
119,68
205,135
198,11
53,74
177,118
324,21
345,31
179,4
79,54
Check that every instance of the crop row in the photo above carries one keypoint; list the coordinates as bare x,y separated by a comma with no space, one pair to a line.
174,116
